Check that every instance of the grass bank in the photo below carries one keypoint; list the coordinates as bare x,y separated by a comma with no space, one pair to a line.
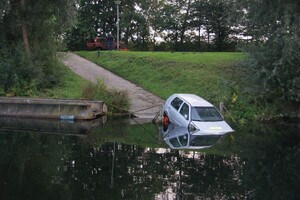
214,76
71,88
166,73
76,87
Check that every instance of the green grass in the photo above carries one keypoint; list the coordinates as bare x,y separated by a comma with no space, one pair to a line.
70,89
193,57
76,87
165,73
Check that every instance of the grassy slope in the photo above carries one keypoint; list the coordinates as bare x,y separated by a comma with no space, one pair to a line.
214,76
210,75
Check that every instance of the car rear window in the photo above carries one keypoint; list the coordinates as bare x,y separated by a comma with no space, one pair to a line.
206,114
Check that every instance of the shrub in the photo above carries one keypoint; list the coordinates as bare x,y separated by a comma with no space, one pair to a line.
23,74
117,101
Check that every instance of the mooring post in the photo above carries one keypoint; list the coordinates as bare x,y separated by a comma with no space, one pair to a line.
221,107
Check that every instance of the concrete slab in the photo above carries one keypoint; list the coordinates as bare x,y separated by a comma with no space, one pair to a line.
51,108
144,104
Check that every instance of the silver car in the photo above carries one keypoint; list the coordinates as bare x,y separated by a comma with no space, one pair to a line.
195,113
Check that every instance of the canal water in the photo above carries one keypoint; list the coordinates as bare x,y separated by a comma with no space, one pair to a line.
123,159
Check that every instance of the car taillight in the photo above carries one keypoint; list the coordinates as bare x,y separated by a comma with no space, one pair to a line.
165,122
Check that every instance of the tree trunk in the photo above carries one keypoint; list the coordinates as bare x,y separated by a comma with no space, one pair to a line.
185,23
199,39
24,27
208,39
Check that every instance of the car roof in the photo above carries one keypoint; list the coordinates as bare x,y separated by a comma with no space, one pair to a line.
194,100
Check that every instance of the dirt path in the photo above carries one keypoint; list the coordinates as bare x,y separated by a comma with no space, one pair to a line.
143,103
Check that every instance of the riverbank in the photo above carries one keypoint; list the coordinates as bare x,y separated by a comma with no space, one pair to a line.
142,103
216,77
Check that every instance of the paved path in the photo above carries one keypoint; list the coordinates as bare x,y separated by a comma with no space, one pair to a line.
143,103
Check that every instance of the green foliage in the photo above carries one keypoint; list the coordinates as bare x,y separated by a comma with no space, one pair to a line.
29,39
142,22
23,88
274,53
212,16
70,86
18,77
93,18
23,74
117,101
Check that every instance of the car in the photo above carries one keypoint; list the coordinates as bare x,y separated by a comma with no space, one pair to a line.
195,113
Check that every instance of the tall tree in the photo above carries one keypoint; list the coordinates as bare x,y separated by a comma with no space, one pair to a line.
98,17
274,55
24,25
30,32
186,7
211,17
134,23
173,21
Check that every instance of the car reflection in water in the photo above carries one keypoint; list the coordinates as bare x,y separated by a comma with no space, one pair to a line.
179,137
190,121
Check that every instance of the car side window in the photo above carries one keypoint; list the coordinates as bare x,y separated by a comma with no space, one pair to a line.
174,142
176,103
183,139
184,111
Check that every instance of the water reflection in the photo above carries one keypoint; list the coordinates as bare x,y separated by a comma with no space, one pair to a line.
178,137
122,161
50,126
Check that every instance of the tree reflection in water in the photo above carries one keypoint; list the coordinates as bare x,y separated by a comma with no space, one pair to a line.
259,163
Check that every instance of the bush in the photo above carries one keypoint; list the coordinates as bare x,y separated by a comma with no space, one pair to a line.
23,74
117,101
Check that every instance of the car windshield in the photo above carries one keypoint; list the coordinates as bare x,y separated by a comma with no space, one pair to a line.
206,114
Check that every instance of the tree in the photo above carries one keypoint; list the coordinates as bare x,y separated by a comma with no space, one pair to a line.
174,19
134,23
98,17
30,35
212,17
141,21
274,54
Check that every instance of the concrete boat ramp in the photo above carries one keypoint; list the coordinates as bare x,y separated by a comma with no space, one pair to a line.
144,104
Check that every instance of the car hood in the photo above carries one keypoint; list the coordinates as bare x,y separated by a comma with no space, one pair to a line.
217,127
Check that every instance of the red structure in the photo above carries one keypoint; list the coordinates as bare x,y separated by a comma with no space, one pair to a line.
103,43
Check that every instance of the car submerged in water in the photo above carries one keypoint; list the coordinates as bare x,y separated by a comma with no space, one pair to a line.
194,113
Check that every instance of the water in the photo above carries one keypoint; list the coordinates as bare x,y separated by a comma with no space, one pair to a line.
119,160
